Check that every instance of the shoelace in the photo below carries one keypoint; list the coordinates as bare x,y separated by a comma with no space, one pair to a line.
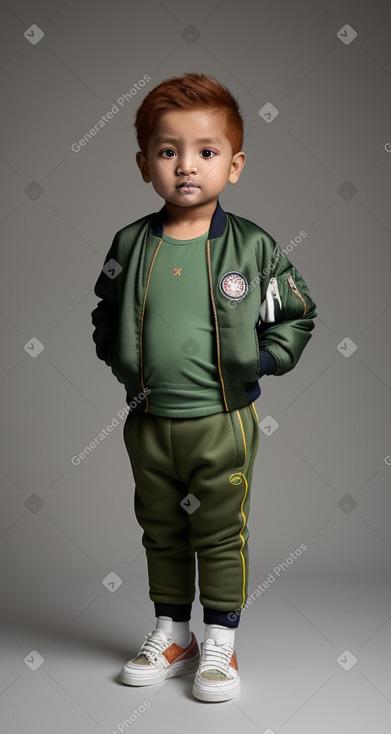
215,657
154,646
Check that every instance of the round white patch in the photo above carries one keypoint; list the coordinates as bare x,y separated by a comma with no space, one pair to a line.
234,286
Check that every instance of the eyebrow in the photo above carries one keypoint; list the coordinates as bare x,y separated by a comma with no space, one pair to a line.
199,140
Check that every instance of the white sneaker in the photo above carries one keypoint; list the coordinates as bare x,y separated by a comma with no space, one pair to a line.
160,658
217,677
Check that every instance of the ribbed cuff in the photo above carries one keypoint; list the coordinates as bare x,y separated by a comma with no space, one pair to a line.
267,363
228,619
177,612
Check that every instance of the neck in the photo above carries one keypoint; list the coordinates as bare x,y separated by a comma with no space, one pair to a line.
189,218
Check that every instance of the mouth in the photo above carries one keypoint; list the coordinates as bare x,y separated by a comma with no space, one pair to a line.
187,185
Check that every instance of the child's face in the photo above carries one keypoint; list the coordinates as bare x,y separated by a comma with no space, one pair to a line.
190,145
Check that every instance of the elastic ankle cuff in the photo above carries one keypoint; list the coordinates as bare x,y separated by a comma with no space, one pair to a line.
177,612
228,619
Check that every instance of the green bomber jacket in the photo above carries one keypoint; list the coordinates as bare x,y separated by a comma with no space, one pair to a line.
261,306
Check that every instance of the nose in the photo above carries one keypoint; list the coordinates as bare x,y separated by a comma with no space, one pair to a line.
186,165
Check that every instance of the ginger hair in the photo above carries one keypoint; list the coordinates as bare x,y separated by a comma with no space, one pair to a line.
190,91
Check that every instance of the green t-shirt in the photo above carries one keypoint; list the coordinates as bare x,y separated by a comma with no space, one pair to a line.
180,365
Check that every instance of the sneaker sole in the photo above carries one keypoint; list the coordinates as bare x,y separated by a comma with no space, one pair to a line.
184,667
216,695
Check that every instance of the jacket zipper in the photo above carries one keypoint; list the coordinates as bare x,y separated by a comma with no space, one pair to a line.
294,289
216,322
142,322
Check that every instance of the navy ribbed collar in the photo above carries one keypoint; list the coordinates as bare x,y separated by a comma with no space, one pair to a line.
216,229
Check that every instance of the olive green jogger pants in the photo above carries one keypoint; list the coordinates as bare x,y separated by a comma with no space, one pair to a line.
192,496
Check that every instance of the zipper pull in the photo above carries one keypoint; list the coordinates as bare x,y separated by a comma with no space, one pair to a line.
296,291
291,281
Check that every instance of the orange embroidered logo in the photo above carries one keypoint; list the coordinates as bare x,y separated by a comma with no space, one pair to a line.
177,271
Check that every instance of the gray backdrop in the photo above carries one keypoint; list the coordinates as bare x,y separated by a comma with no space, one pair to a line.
314,641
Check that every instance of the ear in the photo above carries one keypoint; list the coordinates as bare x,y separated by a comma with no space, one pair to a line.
143,166
237,165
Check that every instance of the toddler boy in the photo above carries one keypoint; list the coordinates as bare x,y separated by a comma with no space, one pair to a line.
197,304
